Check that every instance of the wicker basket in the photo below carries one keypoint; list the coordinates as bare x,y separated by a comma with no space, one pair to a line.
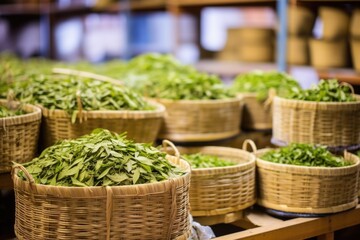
301,20
255,35
355,53
335,22
312,190
141,126
355,24
222,190
200,120
145,211
298,50
19,136
328,123
256,114
322,53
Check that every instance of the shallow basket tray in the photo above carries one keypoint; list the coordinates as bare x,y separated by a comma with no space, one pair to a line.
222,190
144,211
327,123
141,126
301,189
256,114
200,120
19,136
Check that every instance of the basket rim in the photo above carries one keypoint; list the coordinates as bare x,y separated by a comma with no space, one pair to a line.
197,101
247,94
98,191
309,169
310,210
159,111
33,113
294,102
248,162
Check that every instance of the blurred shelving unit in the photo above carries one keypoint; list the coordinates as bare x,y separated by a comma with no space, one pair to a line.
50,14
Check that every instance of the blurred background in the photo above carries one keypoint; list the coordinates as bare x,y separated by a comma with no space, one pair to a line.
309,39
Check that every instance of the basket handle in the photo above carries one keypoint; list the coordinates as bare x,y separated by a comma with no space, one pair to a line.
85,74
268,102
346,84
15,169
248,142
166,142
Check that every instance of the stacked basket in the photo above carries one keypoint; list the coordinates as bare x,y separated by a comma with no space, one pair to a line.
334,40
355,38
301,21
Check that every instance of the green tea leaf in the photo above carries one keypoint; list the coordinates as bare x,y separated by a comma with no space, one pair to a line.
136,175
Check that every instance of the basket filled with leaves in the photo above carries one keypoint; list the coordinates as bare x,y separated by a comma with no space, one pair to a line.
102,186
19,132
257,90
327,114
306,179
74,105
198,106
222,181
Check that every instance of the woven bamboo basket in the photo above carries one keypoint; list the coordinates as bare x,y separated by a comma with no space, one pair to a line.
301,20
322,53
256,114
311,190
257,51
355,53
355,24
335,22
141,126
298,50
327,123
145,211
255,35
200,120
222,190
19,136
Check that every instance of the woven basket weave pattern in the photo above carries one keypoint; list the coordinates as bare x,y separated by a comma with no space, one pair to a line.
146,211
19,137
222,190
188,120
307,189
331,124
141,126
255,115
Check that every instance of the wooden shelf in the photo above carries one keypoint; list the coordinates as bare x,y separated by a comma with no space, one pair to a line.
232,68
205,3
295,229
38,9
51,8
345,75
139,5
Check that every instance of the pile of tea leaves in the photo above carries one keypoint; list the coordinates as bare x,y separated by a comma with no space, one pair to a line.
101,158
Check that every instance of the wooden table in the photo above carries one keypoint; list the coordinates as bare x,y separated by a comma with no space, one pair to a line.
261,226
